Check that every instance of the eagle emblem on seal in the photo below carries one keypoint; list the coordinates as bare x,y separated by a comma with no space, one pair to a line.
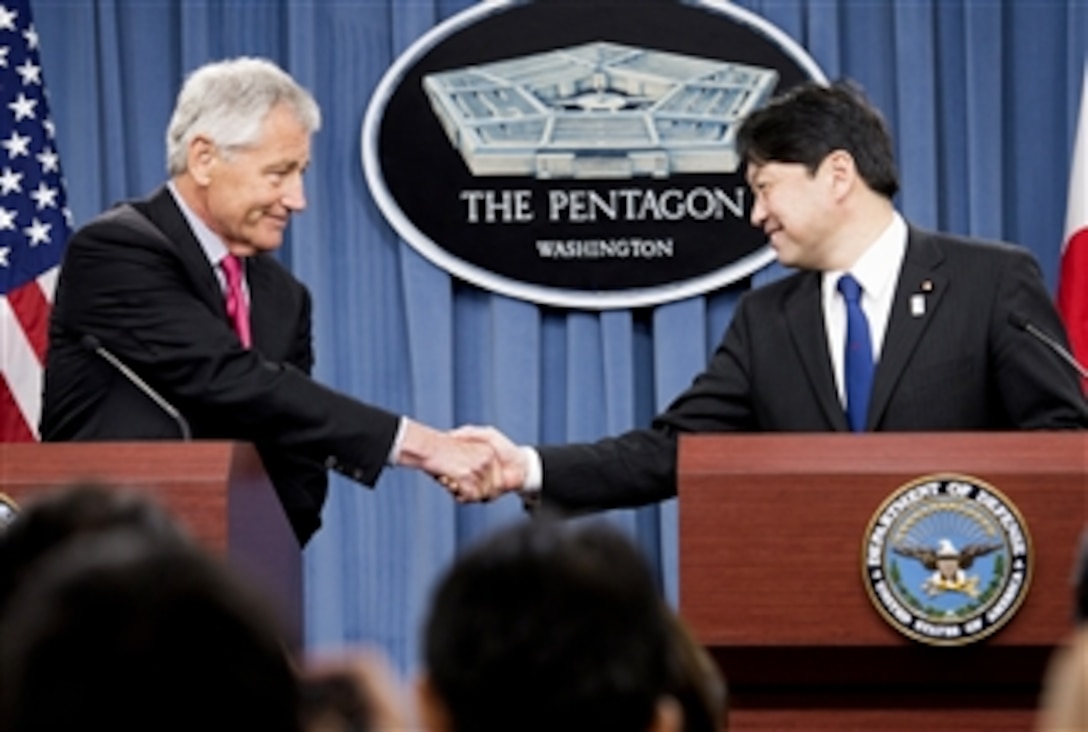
948,564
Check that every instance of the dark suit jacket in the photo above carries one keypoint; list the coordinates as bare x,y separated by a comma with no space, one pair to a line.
137,279
960,366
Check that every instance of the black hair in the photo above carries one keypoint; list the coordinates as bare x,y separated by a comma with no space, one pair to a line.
1080,581
125,632
810,121
546,626
52,518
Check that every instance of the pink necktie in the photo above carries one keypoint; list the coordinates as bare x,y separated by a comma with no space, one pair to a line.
237,308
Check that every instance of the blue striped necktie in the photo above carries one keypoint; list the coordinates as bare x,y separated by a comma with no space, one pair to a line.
858,356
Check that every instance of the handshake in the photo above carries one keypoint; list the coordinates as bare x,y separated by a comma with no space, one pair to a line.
472,463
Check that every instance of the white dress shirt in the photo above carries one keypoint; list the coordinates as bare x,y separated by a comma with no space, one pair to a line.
877,271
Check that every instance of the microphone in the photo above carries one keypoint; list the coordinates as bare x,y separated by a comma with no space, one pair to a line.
1049,341
93,344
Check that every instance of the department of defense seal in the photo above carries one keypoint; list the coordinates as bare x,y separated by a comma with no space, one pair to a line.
947,560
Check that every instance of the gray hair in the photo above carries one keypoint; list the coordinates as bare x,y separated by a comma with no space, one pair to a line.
227,101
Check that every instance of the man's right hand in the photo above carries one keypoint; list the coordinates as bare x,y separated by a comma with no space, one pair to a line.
470,469
512,460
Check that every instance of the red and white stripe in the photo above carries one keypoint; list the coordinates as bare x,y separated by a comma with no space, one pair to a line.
24,336
1073,281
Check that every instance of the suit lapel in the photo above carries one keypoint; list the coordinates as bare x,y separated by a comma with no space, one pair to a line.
163,212
805,320
262,297
918,294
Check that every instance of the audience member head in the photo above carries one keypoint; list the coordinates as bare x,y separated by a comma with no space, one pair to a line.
547,626
352,691
810,121
125,632
50,520
1064,702
695,681
1080,581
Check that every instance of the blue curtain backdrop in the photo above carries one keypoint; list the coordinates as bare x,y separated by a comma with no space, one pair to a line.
981,95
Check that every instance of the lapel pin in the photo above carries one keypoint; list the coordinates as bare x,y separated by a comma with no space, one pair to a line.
917,305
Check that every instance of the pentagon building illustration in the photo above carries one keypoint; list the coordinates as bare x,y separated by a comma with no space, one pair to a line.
599,110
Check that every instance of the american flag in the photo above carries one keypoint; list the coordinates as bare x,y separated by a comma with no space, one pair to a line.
34,223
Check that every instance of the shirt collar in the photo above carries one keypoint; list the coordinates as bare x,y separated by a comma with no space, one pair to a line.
214,248
877,269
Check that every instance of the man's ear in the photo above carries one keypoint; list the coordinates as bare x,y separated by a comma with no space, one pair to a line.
200,158
840,165
432,710
668,716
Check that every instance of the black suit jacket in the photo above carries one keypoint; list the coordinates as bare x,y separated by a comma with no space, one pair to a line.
961,365
137,279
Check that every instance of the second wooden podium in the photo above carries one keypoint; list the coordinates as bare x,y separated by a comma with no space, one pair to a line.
771,532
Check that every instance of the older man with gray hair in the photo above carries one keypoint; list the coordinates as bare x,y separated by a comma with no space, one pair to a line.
181,289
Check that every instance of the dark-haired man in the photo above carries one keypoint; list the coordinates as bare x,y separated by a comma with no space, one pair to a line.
933,322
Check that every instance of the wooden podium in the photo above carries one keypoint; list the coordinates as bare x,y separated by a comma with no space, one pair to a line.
771,531
219,490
